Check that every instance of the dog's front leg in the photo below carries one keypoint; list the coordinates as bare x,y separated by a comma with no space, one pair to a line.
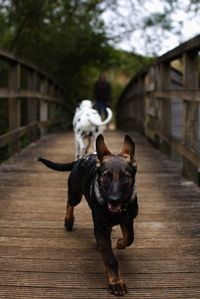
69,217
103,239
127,235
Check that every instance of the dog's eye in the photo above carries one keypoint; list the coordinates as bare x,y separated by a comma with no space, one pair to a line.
126,179
106,177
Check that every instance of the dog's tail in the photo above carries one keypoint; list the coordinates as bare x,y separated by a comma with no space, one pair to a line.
57,166
95,122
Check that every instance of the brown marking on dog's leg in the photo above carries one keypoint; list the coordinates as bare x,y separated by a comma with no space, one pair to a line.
69,217
128,236
116,285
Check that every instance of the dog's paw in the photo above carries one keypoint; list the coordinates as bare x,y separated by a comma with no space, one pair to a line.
69,223
117,288
120,244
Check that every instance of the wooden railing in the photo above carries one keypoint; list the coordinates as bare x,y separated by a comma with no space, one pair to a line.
163,102
41,95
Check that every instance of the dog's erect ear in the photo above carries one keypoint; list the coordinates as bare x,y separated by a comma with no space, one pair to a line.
101,147
128,148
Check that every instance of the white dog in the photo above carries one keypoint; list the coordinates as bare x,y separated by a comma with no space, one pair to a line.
87,124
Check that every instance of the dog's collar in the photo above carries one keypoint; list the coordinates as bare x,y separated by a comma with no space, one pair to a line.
97,192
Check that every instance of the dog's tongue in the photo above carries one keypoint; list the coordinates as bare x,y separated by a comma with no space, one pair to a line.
114,208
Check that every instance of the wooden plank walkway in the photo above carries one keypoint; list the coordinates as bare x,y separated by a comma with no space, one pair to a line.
39,259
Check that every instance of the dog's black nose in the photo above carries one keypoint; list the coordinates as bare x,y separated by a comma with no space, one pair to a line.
114,199
114,205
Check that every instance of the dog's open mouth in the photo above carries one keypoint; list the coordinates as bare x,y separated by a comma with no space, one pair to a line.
114,208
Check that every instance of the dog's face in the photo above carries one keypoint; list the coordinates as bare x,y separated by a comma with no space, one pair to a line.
116,174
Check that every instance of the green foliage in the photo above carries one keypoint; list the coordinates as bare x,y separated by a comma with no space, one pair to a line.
126,62
121,67
65,38
156,19
68,40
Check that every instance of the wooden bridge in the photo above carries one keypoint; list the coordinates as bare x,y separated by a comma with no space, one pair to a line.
39,259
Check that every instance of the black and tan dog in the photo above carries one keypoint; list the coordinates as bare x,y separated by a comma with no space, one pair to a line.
108,183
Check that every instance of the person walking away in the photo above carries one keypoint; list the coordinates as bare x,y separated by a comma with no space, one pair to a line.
102,94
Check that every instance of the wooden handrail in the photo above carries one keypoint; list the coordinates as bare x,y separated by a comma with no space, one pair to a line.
44,97
12,93
191,45
12,58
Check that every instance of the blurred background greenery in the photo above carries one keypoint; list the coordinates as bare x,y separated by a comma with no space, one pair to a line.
70,41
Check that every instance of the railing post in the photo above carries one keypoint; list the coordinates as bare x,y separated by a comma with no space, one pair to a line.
52,106
43,108
191,110
14,104
164,120
32,104
150,105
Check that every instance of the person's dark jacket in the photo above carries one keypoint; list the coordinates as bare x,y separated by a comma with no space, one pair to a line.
102,91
